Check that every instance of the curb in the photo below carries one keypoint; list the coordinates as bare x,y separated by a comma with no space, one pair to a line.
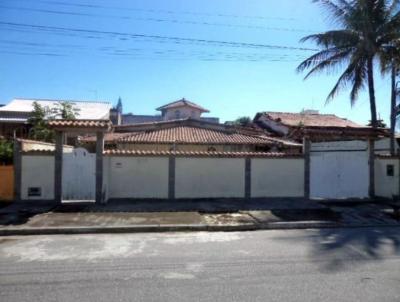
182,228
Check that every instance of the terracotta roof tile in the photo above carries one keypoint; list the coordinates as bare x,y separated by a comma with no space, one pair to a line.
181,103
310,120
194,135
200,154
92,124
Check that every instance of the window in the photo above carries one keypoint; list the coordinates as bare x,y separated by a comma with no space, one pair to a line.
177,114
34,191
389,170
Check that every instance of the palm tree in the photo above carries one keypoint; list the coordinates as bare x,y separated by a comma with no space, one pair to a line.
390,62
367,27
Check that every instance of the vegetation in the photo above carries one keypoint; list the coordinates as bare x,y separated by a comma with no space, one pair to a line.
243,121
368,28
40,131
40,115
65,110
6,152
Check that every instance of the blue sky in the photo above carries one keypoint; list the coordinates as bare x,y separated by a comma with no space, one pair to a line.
230,80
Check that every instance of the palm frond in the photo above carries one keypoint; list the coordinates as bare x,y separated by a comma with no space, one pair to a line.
359,76
326,64
336,38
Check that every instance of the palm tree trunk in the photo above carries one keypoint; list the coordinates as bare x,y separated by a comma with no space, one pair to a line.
371,90
393,110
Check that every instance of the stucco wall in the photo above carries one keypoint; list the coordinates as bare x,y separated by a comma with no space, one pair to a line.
209,177
184,112
37,171
277,177
386,186
138,177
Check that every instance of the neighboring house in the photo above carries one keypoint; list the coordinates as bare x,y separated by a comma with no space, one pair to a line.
287,124
321,127
191,135
14,116
181,109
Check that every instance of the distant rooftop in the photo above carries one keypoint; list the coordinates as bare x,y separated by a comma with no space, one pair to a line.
87,110
309,119
181,103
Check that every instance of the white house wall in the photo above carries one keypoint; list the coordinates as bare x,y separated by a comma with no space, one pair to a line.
37,171
209,177
277,177
138,177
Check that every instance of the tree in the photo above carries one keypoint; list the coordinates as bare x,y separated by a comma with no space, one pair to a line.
367,28
6,152
390,63
65,111
243,121
38,119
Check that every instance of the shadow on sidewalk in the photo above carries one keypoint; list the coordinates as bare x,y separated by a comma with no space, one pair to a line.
193,205
20,213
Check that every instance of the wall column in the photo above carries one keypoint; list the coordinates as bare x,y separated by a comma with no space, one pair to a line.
58,158
17,162
99,167
371,165
171,177
307,162
247,178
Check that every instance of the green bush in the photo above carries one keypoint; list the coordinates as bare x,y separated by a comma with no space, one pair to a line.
6,152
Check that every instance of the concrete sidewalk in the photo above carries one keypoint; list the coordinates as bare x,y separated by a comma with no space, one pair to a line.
73,223
28,219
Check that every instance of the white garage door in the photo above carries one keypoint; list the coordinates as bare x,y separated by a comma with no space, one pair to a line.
336,174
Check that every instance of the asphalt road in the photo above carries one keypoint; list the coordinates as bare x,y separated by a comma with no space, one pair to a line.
285,265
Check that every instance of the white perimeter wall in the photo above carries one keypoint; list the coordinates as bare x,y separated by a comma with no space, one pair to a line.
137,177
37,171
209,177
339,170
277,177
386,186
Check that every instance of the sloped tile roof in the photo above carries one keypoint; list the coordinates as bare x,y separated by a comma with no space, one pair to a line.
310,120
200,154
181,103
193,135
92,124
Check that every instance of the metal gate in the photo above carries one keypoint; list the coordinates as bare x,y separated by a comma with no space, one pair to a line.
78,179
337,175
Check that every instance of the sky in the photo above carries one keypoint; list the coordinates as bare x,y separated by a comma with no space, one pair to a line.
233,57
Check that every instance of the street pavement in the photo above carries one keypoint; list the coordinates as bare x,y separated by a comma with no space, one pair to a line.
357,264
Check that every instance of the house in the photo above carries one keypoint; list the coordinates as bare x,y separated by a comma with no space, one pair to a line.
180,109
14,116
288,124
191,135
342,154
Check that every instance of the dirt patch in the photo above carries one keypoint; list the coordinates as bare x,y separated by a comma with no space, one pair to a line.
228,219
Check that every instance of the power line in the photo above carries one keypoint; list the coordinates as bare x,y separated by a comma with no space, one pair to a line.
155,11
29,48
159,20
153,37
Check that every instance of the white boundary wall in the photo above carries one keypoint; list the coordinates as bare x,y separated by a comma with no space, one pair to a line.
277,177
137,177
385,185
37,171
209,177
